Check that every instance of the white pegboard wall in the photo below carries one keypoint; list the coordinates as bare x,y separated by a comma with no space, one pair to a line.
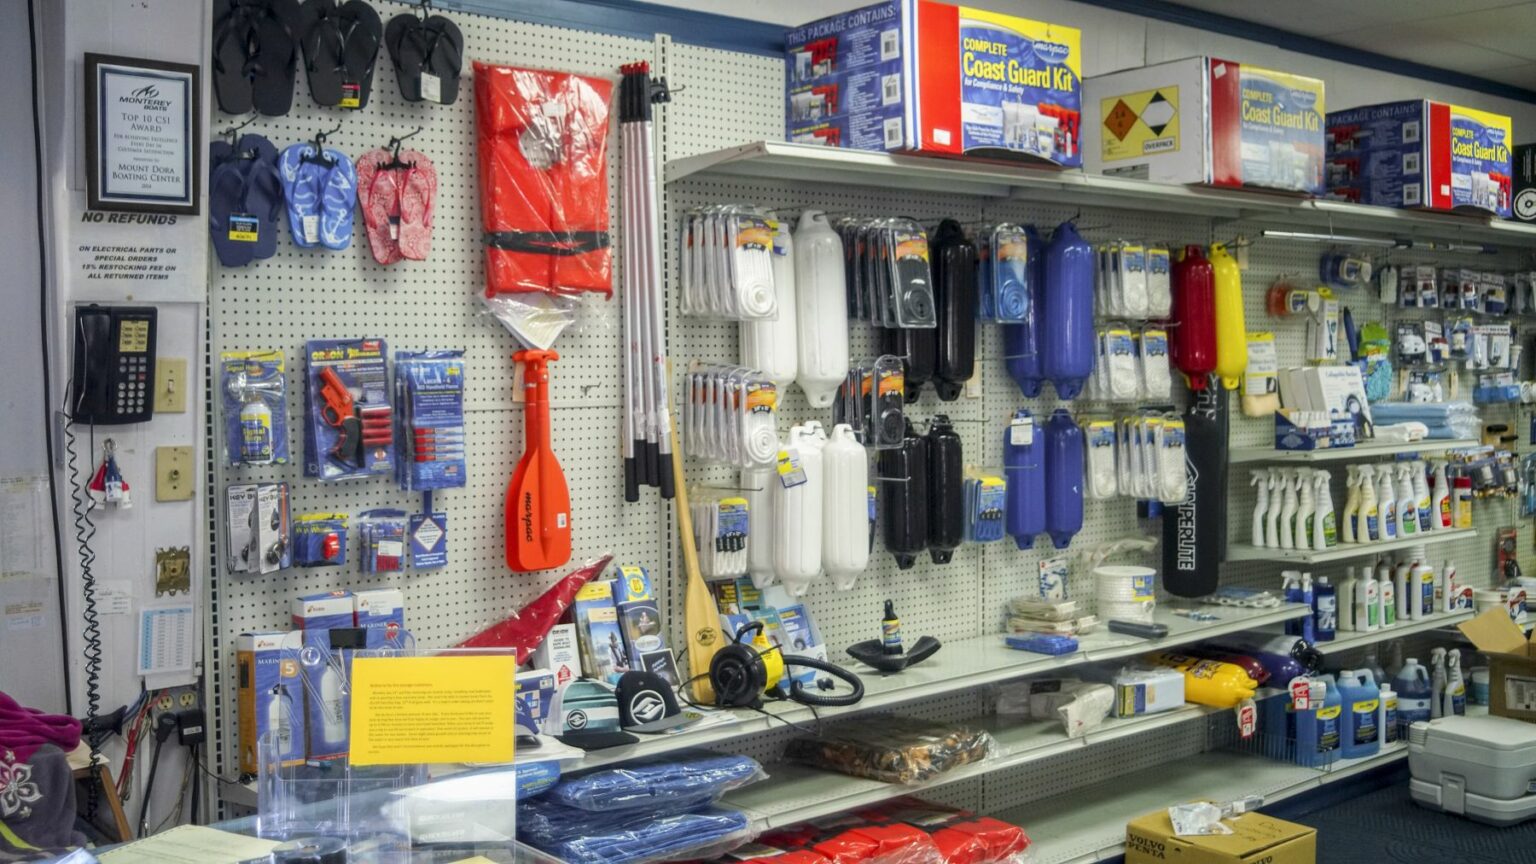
305,294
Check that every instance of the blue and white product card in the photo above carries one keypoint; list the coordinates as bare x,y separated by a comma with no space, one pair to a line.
429,391
428,533
1053,578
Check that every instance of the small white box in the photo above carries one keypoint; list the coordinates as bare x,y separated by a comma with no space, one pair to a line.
559,654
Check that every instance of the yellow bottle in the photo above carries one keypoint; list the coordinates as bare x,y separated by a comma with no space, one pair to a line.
1231,334
1209,682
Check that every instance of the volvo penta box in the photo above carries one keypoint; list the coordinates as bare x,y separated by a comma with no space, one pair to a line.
916,75
1523,206
1421,154
1205,120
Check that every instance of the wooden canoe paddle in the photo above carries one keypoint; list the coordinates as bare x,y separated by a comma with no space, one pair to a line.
538,500
699,611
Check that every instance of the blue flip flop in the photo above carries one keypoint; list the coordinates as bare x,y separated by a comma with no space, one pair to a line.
320,189
264,200
229,226
338,201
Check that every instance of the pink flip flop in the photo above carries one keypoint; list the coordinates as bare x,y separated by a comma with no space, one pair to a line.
378,196
418,196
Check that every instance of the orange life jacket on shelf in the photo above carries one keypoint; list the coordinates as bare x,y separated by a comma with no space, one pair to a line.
543,149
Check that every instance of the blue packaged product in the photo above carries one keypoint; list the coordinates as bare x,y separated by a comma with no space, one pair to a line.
1021,342
428,533
1360,735
1421,153
255,399
657,785
1041,643
1067,335
582,837
1415,695
429,395
1330,718
1023,459
1063,478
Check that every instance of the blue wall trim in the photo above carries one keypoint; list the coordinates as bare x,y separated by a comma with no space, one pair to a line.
1173,13
638,19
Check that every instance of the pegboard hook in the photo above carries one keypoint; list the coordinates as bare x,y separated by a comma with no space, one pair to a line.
321,137
230,132
394,143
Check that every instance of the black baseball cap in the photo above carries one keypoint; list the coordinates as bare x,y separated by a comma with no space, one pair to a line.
647,703
586,715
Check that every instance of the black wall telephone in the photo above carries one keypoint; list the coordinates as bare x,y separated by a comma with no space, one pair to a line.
114,371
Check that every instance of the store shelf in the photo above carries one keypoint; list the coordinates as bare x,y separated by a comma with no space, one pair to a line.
1359,451
1344,551
1359,639
813,164
796,793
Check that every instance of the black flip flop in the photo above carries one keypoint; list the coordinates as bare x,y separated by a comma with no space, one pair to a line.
402,36
275,60
362,34
444,55
321,38
232,32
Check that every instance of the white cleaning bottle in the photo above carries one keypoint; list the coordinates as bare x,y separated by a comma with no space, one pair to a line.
1351,506
1346,599
1260,504
1272,512
1368,528
769,345
1437,682
1421,495
1387,598
1407,502
1386,501
1304,508
1387,716
845,508
1453,589
1440,500
797,512
821,308
757,487
1407,594
1424,576
1367,600
1455,686
1325,532
1287,511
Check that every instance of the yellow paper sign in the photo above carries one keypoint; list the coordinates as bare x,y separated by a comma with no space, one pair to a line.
413,710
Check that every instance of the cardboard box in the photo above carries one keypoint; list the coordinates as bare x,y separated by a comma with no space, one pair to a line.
380,612
1255,838
1511,663
558,653
269,696
1421,154
1523,206
923,76
1209,121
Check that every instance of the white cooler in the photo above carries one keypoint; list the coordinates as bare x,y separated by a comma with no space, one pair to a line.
1483,768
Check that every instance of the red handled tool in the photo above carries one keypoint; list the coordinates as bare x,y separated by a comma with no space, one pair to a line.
357,428
538,501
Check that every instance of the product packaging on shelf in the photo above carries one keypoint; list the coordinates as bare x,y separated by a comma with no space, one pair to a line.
1523,205
1206,120
558,653
380,614
640,623
320,539
255,408
327,622
382,541
348,428
1511,663
270,698
923,76
536,692
1254,837
1421,154
603,655
258,519
429,392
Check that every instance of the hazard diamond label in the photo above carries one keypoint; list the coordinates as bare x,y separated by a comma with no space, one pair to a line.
1140,124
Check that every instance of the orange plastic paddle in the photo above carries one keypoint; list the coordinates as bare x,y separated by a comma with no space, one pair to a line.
538,500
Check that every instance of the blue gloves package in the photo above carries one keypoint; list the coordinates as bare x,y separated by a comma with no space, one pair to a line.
671,785
584,837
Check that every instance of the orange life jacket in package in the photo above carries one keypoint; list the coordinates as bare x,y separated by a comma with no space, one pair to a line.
543,148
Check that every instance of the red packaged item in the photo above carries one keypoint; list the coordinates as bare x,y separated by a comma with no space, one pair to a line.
882,844
799,856
1192,341
543,149
981,840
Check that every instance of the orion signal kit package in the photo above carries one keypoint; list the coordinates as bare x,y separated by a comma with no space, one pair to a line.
349,428
916,75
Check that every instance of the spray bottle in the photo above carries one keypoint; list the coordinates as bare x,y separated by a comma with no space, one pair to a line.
1440,500
1290,590
1261,504
1367,601
1453,587
1325,532
1437,682
1455,686
1304,508
1421,495
1386,501
1351,505
1272,511
1368,529
1407,502
1287,511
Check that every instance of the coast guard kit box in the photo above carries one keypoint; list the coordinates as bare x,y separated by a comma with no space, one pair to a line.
1208,121
916,75
1421,154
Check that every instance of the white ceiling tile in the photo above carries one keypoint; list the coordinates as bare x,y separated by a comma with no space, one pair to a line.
1428,42
1325,18
1519,76
1508,29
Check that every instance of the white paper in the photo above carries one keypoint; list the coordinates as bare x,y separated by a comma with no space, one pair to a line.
166,640
24,506
114,597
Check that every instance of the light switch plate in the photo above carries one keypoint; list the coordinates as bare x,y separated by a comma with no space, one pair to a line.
170,385
173,473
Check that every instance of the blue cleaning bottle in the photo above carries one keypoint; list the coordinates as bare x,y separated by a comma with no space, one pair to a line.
1291,591
1308,622
1330,720
1063,478
1067,334
1021,342
1414,695
1326,607
1024,459
1360,735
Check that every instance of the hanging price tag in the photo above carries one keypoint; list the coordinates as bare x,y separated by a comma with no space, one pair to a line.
1247,719
1301,694
790,472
